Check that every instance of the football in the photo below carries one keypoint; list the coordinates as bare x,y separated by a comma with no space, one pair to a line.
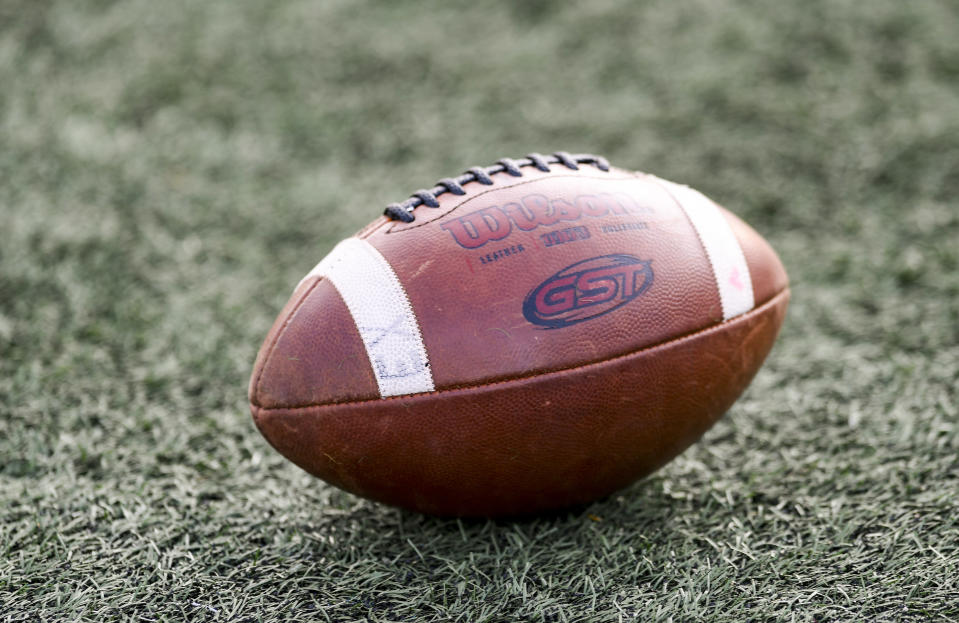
524,337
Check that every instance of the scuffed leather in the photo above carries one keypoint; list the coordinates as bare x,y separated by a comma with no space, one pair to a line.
525,418
532,444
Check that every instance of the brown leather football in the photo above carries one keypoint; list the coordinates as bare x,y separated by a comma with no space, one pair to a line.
525,337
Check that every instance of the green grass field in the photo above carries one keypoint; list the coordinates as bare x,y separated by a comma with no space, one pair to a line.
169,170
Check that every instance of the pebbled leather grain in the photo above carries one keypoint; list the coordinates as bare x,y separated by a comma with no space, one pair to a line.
525,418
535,443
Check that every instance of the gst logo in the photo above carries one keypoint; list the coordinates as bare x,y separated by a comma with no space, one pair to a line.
485,225
587,289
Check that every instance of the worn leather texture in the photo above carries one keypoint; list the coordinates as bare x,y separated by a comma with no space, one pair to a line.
313,354
534,409
536,443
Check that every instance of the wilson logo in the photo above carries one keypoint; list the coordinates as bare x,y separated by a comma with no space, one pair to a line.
480,227
587,289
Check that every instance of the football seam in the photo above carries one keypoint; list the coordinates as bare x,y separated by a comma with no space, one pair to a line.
393,229
699,332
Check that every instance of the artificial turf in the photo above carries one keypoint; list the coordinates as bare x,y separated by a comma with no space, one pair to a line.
169,170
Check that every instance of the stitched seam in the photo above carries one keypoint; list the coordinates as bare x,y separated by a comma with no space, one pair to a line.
403,211
392,230
279,334
689,336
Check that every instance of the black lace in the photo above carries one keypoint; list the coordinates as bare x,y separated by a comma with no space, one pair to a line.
404,211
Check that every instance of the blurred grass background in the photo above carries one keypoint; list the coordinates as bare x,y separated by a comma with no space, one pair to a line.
168,171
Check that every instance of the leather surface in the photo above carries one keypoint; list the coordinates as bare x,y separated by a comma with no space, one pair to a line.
535,443
532,411
313,353
470,301
765,269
